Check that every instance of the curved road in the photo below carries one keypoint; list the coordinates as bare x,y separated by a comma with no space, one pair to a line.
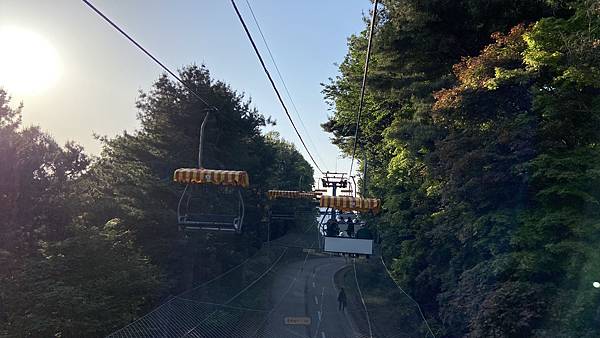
307,289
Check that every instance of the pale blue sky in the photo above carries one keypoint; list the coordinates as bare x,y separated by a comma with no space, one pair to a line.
102,73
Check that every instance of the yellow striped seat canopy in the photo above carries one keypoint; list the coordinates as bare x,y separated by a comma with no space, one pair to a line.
211,176
291,194
349,203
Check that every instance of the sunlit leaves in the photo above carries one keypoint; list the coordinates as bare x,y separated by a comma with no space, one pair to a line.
488,168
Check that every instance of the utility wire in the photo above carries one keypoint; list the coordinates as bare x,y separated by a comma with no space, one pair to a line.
284,85
262,62
188,87
364,85
133,41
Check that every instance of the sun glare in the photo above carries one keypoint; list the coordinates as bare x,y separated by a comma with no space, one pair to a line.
28,62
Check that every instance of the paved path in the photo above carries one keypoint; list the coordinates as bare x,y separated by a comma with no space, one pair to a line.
307,289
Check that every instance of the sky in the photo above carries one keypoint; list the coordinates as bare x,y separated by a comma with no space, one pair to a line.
100,73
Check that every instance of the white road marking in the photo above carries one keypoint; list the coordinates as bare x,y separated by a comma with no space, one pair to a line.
319,313
323,334
316,300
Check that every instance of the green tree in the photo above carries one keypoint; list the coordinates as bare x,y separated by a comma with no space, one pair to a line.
289,170
58,278
132,179
89,284
37,179
488,184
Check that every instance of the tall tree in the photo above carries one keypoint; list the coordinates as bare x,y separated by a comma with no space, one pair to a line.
56,277
488,216
132,178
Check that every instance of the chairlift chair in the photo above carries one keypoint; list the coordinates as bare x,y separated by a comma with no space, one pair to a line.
193,212
277,213
351,245
199,208
349,203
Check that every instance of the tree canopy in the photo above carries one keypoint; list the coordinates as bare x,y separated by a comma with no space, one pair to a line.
481,136
87,244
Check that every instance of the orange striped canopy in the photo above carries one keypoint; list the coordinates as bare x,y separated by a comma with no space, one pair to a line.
292,194
349,203
210,176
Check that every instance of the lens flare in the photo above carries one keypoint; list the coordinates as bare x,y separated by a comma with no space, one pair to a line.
29,64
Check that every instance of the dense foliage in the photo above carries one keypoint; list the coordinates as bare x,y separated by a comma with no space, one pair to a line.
481,131
56,275
132,179
482,137
88,244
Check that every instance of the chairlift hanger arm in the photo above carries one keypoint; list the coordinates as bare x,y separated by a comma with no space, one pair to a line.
201,142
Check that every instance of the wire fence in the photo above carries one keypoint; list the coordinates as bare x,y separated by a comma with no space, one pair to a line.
210,307
288,280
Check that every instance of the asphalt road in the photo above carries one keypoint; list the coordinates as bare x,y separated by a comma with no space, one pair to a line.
307,289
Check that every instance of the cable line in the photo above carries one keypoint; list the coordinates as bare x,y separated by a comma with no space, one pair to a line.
284,85
407,295
362,299
139,46
363,86
189,88
262,62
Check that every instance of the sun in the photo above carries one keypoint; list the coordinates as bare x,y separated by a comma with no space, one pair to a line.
29,64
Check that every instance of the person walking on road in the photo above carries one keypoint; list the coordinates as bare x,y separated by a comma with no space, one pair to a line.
341,300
